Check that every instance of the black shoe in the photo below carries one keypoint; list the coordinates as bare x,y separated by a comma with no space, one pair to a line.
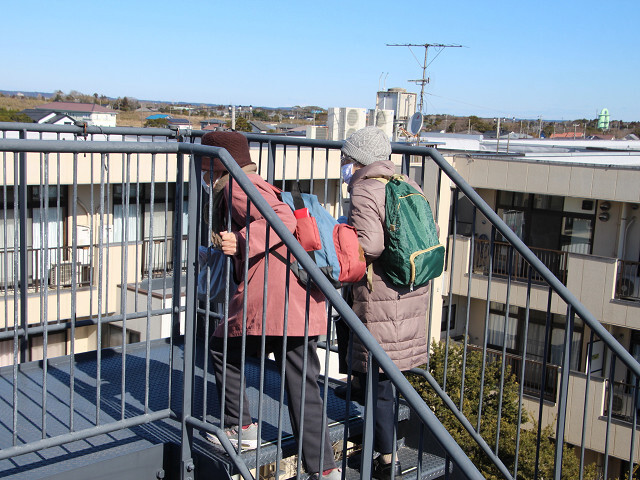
357,393
382,471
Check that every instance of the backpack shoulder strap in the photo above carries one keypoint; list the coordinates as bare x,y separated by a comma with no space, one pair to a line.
298,202
384,180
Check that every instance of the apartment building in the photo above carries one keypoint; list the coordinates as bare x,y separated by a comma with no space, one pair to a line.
578,212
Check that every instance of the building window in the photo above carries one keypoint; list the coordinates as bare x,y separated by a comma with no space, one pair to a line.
445,314
127,210
535,336
548,221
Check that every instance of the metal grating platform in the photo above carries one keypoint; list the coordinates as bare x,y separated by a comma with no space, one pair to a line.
79,454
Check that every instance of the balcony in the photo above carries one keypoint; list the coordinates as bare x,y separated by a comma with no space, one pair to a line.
44,270
624,403
157,257
554,260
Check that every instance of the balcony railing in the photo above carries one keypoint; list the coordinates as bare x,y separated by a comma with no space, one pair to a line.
628,280
52,267
554,260
165,384
622,401
157,257
534,381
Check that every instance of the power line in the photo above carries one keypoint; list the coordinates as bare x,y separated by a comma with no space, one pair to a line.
424,80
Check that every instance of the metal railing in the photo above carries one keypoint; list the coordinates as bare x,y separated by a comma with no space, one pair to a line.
498,401
157,260
624,402
554,260
532,384
123,412
51,268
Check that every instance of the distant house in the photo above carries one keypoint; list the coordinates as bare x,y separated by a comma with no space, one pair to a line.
602,137
181,123
51,118
569,135
91,113
156,116
261,127
297,131
212,124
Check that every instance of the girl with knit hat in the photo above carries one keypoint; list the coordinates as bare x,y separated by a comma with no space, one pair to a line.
283,300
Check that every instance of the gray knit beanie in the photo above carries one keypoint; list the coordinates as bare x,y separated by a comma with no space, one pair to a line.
367,145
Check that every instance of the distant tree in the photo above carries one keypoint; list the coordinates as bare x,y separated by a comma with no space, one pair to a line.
157,122
95,98
260,115
57,96
125,104
488,428
242,124
8,115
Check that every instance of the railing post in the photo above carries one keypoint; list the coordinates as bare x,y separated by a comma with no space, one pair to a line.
564,391
24,259
271,163
187,467
371,395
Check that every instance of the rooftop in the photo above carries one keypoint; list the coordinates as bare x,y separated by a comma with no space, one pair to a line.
75,107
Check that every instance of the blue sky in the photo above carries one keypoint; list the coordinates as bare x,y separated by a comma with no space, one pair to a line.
561,59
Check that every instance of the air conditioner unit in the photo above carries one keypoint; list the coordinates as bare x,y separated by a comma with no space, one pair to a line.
629,287
343,122
333,123
61,274
354,118
383,119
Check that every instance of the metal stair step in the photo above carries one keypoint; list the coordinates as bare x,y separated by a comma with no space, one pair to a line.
431,467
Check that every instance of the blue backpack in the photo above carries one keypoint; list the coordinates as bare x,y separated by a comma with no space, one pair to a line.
333,246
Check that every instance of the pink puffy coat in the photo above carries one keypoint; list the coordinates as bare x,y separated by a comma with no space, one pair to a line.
396,317
276,283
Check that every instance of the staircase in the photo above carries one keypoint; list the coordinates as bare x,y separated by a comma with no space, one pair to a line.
152,450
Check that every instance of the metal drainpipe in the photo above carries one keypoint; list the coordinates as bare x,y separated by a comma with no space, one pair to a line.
622,230
626,234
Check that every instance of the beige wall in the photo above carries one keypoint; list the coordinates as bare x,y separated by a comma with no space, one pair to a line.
523,175
136,167
590,278
596,425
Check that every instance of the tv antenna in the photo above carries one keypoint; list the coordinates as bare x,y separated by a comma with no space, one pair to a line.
424,80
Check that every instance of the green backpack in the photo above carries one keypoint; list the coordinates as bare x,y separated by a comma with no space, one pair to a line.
413,254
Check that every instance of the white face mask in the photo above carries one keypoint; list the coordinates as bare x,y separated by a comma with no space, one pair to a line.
346,172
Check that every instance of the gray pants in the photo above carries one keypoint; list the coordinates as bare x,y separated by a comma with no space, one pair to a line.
312,427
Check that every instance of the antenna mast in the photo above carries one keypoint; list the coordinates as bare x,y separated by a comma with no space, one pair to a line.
424,80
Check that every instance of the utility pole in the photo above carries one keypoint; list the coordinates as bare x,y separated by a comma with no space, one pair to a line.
424,80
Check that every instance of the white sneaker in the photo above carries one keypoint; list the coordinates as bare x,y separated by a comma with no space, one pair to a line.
249,437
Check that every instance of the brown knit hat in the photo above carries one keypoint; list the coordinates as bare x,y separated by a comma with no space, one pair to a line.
234,142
